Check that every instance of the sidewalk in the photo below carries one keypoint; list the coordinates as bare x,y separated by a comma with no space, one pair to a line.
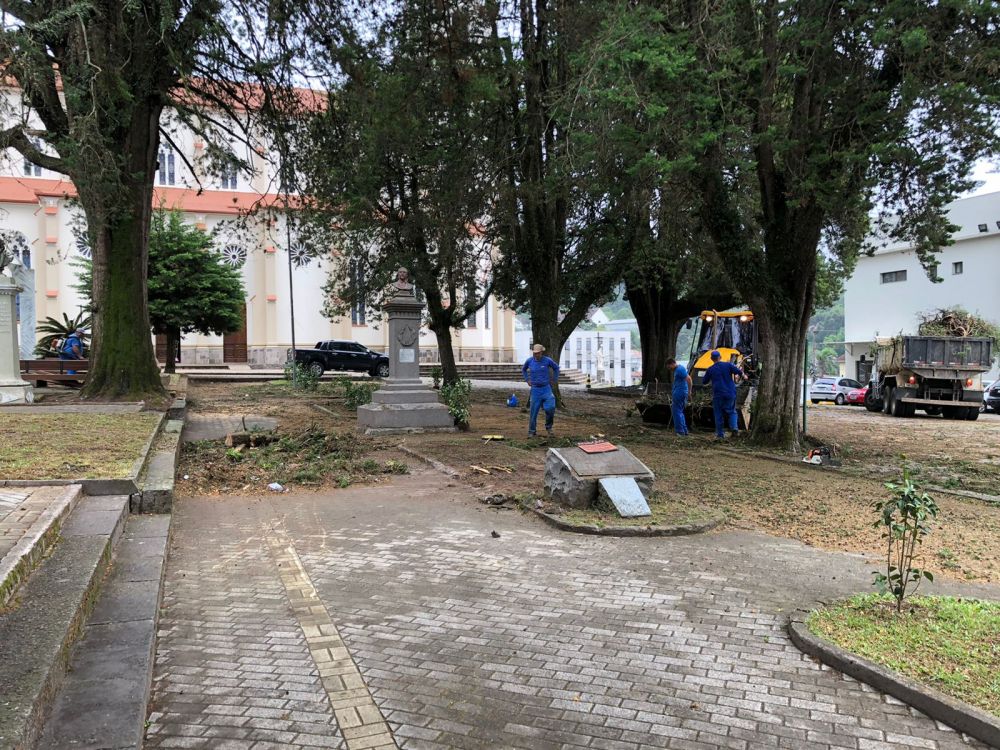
452,636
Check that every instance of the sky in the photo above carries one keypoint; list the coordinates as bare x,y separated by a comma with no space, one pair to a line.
988,173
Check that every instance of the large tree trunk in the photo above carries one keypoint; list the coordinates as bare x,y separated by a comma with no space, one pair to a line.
545,330
440,324
173,347
782,346
123,360
446,353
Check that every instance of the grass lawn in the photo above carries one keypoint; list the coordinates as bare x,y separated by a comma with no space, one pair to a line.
72,446
952,645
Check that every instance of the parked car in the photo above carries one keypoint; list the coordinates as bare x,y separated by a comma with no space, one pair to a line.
991,398
343,355
832,389
856,396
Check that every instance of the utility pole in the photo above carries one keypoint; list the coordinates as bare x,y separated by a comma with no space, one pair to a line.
286,186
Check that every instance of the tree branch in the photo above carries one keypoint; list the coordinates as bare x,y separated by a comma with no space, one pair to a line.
16,138
184,158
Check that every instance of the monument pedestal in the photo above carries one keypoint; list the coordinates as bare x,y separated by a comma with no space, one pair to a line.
404,404
13,390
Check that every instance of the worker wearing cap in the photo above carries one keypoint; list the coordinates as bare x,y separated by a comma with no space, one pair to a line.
679,395
540,372
723,377
72,347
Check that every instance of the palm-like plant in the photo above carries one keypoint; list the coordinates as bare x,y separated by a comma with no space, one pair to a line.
54,329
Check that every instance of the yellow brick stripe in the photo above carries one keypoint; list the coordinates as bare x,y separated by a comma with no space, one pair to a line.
360,720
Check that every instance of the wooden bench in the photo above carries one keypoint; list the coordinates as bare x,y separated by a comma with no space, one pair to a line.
41,371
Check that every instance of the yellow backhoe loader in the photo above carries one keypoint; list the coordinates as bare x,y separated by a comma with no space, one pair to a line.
734,335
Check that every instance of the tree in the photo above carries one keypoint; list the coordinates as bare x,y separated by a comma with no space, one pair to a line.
190,286
397,162
796,121
558,258
94,80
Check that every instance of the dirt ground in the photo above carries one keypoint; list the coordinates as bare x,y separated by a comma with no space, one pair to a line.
821,507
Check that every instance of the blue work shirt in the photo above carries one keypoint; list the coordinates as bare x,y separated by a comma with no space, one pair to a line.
536,371
721,376
67,349
680,379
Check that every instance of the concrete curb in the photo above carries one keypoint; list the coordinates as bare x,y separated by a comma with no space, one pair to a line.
955,713
433,463
684,529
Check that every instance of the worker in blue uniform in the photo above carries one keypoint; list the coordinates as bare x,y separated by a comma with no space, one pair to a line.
540,372
679,395
723,376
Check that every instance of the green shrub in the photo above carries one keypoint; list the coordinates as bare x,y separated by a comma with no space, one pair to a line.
300,377
456,396
905,522
357,394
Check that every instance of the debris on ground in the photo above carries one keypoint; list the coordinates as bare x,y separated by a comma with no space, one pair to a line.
497,499
275,487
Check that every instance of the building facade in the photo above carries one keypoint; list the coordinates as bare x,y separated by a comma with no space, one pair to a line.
890,289
40,217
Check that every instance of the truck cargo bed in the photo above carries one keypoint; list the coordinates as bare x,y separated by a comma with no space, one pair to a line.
964,354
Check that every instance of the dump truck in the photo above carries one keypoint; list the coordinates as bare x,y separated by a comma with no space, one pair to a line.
935,374
734,335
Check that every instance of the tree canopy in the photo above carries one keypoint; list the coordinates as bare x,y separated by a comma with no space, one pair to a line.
397,163
90,85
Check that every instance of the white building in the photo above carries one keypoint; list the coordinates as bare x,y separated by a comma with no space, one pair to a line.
890,289
39,214
607,356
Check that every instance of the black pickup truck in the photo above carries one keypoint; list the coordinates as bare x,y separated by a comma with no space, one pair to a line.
343,355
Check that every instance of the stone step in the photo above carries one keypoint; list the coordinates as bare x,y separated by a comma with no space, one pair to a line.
30,519
42,623
102,702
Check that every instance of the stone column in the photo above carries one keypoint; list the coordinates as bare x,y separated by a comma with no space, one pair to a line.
404,403
13,390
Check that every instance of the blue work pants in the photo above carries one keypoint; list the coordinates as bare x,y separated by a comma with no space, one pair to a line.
724,408
677,403
542,397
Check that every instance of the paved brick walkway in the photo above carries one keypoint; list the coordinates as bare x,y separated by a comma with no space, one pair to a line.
535,639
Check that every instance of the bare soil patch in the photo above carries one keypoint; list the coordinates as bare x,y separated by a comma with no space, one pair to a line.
312,448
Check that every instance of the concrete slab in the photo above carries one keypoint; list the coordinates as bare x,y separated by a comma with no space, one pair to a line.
102,703
36,636
571,475
126,601
625,495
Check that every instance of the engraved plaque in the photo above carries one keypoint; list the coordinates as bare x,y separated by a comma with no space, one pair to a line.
407,354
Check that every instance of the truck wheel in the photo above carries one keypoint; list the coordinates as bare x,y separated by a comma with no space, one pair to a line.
951,412
886,403
972,414
897,407
316,369
814,400
872,403
933,410
839,401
